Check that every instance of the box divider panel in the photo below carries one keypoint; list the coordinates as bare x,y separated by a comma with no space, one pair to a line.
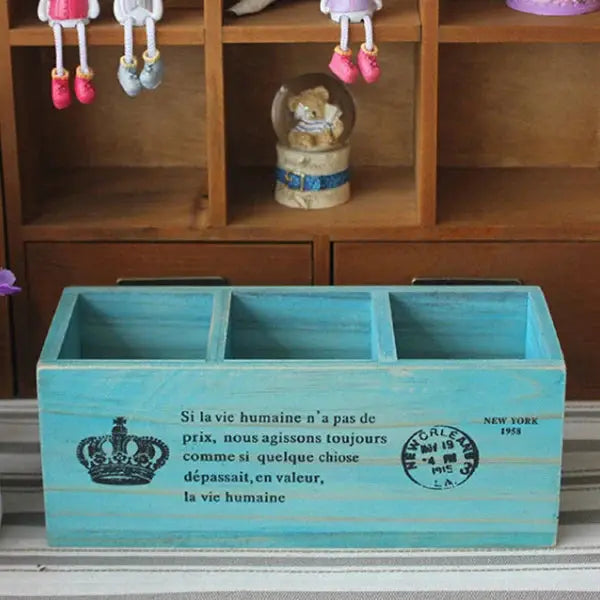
64,318
539,327
218,335
382,330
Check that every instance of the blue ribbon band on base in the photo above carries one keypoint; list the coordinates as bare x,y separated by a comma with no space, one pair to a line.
311,183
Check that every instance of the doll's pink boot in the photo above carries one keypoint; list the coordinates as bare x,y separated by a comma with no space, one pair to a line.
342,66
61,94
368,65
84,87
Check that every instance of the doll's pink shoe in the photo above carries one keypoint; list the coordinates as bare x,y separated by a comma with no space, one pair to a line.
368,65
84,87
61,94
342,66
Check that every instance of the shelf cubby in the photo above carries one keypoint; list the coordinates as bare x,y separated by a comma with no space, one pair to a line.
382,155
467,21
298,21
119,167
518,146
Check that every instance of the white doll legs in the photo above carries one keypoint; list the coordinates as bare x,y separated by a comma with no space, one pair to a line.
369,43
84,88
58,45
341,63
151,75
151,37
128,32
344,33
83,58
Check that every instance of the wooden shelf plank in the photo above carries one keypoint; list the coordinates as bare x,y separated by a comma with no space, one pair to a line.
295,21
381,197
112,203
180,27
492,21
167,204
519,197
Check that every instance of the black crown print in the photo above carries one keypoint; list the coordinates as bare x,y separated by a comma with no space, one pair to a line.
120,458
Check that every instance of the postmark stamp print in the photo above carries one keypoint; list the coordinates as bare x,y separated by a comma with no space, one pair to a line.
440,457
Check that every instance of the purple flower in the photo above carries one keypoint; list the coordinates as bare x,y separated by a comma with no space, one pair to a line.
7,280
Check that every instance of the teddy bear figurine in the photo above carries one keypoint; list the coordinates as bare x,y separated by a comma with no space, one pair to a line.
318,123
345,12
70,14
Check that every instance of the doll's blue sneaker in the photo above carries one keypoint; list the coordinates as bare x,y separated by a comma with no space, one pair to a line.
152,73
128,77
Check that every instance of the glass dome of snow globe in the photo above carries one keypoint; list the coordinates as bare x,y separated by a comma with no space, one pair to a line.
313,112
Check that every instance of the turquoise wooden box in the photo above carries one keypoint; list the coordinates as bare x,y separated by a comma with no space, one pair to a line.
302,417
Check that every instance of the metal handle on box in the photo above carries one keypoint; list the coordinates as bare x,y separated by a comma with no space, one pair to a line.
172,281
464,281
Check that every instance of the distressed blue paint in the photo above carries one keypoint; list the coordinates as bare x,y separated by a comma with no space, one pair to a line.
504,361
439,325
133,326
310,326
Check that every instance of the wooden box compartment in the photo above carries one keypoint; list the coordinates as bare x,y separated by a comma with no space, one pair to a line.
301,417
275,326
382,160
440,327
130,327
117,168
518,146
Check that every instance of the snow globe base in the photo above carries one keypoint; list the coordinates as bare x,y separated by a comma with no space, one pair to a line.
312,180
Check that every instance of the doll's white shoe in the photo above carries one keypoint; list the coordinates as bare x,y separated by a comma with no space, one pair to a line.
128,77
152,73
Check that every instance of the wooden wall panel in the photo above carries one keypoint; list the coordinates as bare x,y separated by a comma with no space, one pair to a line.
164,127
515,105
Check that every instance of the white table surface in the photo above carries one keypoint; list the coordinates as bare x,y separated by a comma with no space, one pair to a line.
28,567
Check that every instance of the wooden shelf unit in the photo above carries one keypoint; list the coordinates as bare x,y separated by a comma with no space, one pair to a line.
482,133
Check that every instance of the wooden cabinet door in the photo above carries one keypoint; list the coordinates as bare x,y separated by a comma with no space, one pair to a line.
53,266
567,272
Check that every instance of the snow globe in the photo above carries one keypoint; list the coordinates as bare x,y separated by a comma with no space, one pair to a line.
313,116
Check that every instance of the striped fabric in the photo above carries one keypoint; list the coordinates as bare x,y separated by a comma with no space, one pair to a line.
29,568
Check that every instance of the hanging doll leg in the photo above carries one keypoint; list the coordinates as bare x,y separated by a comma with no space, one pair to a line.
152,73
127,74
341,62
84,86
61,95
367,56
